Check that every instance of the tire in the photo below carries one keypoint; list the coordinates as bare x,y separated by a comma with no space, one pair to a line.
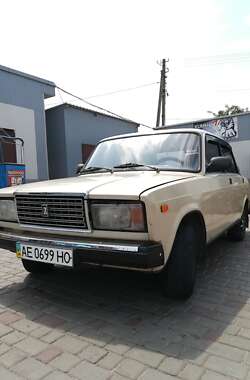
36,267
178,278
238,231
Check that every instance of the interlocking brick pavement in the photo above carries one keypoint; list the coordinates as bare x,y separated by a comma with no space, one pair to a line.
116,325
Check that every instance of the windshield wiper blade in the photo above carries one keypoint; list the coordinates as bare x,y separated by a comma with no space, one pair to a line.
91,169
135,165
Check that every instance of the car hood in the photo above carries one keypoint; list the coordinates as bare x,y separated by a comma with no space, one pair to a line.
129,184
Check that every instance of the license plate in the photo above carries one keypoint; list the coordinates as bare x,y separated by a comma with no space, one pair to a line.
50,255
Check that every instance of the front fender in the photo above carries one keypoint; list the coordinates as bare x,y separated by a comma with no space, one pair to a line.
163,226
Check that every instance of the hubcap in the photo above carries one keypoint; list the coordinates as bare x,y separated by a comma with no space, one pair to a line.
243,223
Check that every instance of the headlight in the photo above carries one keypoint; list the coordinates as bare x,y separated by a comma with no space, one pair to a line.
8,210
118,216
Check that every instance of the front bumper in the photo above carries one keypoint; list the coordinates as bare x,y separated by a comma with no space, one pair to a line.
137,255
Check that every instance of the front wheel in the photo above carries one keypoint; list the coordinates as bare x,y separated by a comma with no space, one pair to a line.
238,231
178,278
36,267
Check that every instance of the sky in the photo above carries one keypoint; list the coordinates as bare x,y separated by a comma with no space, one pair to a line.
93,47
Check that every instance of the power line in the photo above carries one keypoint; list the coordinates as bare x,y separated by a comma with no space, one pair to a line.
60,96
116,91
101,108
220,59
228,55
122,90
234,90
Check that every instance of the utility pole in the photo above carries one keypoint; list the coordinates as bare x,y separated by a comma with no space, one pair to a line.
161,111
159,104
163,114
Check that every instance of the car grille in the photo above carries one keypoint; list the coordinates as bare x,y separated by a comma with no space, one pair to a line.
51,211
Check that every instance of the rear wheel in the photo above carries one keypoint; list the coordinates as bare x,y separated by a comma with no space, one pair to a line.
36,267
178,278
238,231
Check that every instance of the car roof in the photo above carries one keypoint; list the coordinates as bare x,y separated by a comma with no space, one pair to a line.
166,131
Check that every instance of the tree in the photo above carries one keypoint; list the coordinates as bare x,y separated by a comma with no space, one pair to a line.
229,110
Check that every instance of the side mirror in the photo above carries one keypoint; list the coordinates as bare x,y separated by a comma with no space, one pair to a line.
79,168
219,164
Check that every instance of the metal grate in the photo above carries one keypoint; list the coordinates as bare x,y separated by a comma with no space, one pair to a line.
51,211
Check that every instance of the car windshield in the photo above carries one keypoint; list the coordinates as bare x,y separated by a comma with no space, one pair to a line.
166,151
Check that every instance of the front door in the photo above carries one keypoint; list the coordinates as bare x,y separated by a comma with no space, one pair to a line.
236,191
216,198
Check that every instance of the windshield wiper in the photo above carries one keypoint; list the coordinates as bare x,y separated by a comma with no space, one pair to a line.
91,169
135,165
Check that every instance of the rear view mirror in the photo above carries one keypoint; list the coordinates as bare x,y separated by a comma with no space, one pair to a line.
219,164
79,168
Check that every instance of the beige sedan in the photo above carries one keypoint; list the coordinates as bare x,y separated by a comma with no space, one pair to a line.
147,202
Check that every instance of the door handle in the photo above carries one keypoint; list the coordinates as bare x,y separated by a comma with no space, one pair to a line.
230,181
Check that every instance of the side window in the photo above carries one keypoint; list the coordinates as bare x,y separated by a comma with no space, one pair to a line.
226,152
212,150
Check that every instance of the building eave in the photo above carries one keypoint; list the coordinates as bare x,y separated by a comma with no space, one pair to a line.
27,76
203,120
68,105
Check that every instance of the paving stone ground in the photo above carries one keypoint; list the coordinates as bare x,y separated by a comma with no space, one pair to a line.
109,324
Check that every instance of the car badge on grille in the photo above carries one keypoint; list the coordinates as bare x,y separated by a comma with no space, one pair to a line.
45,210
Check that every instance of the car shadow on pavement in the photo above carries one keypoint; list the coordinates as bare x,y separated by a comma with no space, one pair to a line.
122,310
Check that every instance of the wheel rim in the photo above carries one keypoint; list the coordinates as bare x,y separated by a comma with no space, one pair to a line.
243,222
191,248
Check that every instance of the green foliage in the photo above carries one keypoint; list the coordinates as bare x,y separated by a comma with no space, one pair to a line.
229,110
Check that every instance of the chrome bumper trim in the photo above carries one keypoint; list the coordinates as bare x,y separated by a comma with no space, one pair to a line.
71,244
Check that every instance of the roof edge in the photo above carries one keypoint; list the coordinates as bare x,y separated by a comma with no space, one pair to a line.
203,120
27,76
68,105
